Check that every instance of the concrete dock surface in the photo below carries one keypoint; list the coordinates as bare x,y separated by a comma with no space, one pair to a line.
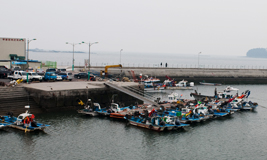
60,86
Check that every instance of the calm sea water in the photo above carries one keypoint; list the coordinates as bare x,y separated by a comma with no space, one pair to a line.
72,136
152,60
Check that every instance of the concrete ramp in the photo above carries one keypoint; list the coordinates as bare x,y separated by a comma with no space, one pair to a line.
126,91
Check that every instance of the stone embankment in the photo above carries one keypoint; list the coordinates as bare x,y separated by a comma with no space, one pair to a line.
213,75
56,96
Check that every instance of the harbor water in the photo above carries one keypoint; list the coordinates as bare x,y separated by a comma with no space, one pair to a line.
73,136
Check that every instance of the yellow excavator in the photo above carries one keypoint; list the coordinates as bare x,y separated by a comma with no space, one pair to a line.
110,66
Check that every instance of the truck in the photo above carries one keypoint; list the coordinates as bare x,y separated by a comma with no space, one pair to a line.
50,76
35,76
20,75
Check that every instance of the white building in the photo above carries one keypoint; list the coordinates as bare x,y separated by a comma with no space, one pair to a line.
13,52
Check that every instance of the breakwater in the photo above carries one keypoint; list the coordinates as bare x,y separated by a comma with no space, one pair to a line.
215,75
46,97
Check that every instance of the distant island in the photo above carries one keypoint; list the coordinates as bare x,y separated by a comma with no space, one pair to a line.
257,53
54,51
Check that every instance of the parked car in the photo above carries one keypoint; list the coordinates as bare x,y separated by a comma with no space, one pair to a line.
66,75
84,76
40,72
59,78
30,69
50,76
35,76
60,70
51,70
20,75
2,66
4,72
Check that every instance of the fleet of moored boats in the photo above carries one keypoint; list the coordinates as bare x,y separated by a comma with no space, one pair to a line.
174,114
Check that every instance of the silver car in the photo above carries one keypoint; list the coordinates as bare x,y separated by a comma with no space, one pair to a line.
66,75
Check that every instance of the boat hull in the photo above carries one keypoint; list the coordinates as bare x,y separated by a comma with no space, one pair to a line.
93,114
4,125
147,126
28,129
179,88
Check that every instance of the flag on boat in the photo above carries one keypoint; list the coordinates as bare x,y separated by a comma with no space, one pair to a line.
248,93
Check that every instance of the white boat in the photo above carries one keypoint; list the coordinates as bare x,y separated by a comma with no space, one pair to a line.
181,85
91,110
150,80
114,107
26,122
174,97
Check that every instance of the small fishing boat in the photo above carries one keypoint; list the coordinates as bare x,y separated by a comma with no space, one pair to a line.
191,116
249,105
124,111
91,110
226,94
157,123
181,85
150,80
25,122
174,97
241,104
114,107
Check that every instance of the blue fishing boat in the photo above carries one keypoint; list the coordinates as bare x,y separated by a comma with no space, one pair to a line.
90,109
25,122
157,123
113,108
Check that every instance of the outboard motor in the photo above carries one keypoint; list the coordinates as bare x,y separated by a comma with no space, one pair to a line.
136,113
177,122
196,115
162,122
146,113
211,111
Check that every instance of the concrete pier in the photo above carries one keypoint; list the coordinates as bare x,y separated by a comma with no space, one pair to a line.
56,96
214,75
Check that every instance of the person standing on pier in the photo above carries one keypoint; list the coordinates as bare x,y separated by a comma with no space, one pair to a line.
166,65
161,64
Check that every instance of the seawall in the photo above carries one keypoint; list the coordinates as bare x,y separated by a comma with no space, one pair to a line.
215,75
57,96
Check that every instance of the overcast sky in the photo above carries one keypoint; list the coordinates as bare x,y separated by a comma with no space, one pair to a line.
213,27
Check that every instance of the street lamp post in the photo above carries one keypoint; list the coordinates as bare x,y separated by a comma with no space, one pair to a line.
89,44
28,57
120,60
198,58
28,44
73,44
120,55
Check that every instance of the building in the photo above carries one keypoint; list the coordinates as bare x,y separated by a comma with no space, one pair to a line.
13,53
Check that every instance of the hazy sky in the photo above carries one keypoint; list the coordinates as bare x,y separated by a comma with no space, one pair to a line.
225,27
